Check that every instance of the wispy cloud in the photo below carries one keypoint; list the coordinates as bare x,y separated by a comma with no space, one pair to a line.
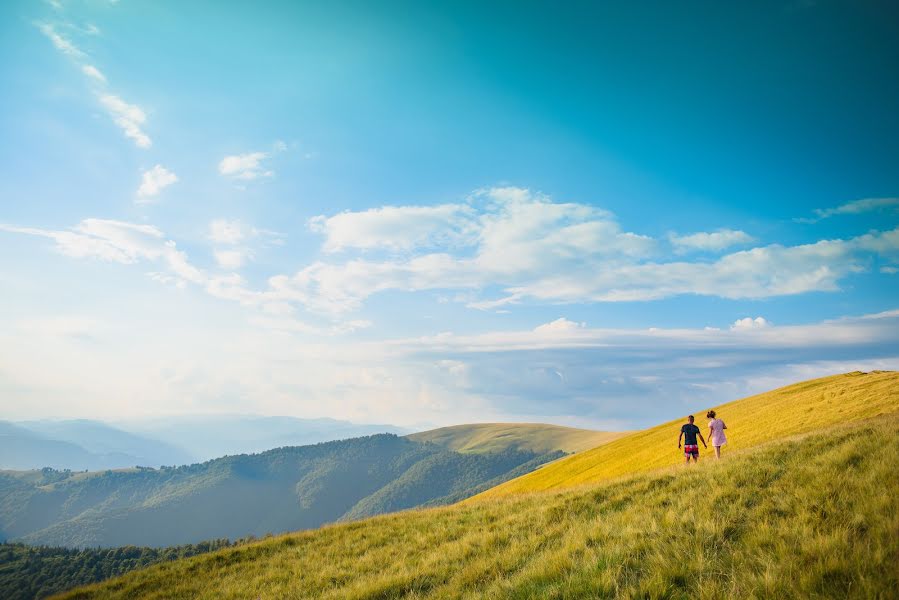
117,241
245,166
714,241
398,227
854,208
236,236
250,165
94,73
61,43
225,231
154,181
129,118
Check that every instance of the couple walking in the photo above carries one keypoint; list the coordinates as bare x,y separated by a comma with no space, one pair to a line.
689,432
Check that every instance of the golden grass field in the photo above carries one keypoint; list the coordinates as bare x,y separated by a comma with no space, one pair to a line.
805,515
537,437
751,421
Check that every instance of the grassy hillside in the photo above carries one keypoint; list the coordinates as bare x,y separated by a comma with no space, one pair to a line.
812,516
751,421
285,489
535,437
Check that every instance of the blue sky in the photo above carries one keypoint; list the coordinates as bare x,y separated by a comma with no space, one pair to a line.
427,214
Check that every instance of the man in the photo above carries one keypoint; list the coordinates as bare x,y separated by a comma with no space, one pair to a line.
688,433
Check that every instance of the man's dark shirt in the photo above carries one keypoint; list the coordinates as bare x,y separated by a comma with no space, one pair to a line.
689,430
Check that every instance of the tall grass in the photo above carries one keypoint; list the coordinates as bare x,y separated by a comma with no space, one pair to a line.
814,516
797,408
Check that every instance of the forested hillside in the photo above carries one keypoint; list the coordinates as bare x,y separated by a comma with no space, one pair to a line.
28,572
280,490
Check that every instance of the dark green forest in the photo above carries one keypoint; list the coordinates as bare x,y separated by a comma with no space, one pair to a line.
28,572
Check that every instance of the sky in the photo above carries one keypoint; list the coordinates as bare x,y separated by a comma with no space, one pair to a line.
593,214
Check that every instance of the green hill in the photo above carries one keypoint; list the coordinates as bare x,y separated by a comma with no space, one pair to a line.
285,489
793,409
534,437
810,516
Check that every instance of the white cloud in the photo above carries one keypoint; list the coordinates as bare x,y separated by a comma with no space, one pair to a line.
93,72
397,227
560,325
854,208
538,250
224,231
61,43
245,166
748,323
128,117
236,236
154,181
710,241
118,241
231,259
250,165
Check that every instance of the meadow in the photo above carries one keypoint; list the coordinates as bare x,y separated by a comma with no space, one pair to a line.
797,408
811,516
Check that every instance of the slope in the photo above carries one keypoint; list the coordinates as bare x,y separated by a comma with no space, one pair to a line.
786,411
495,437
811,516
236,496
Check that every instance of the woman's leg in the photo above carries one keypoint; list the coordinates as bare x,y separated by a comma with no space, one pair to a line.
717,451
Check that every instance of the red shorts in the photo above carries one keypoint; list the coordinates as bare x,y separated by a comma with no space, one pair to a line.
691,450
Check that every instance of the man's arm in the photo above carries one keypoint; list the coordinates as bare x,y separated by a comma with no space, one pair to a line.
703,440
680,437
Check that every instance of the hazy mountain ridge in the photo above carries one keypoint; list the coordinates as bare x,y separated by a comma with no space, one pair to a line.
82,444
278,490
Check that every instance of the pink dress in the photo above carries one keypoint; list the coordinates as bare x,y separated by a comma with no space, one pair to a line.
718,437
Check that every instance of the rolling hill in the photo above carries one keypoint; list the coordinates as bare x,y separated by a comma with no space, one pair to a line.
793,409
534,437
813,515
284,489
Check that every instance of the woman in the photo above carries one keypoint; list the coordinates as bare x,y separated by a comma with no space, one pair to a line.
716,432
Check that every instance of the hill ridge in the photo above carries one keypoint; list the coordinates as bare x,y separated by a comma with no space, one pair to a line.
493,437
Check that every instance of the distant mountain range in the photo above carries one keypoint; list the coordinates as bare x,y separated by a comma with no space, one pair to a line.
94,445
279,490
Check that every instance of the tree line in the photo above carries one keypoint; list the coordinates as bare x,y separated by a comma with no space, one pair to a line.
29,572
